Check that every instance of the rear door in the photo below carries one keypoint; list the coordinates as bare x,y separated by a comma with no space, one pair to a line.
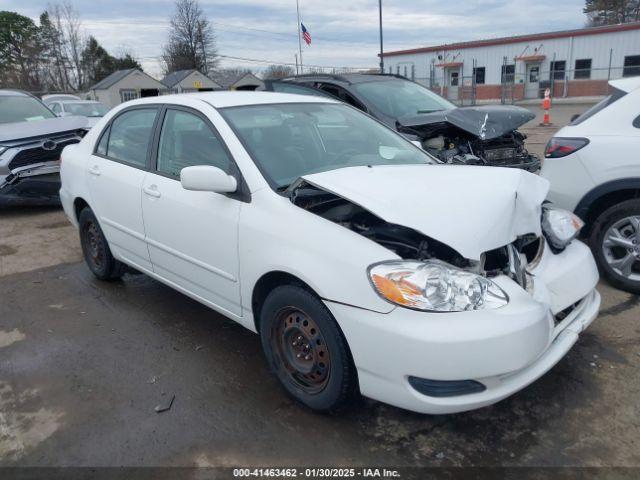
192,236
116,171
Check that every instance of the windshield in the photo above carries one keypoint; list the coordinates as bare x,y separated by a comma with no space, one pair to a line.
601,105
20,108
86,109
290,140
399,98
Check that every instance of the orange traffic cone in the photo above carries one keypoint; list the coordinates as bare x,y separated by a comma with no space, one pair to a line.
546,106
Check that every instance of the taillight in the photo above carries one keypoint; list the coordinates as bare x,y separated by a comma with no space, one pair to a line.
561,147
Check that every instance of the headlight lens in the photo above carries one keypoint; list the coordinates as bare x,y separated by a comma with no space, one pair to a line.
435,286
560,226
3,149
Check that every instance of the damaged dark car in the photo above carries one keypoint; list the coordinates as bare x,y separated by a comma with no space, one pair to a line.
478,135
32,138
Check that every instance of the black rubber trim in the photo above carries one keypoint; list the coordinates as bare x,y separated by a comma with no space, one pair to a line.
623,184
446,388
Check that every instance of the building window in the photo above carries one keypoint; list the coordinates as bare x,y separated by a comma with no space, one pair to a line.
126,95
390,69
397,69
405,71
508,73
631,66
583,68
478,74
557,69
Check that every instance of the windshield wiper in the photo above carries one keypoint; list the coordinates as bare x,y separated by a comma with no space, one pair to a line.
427,111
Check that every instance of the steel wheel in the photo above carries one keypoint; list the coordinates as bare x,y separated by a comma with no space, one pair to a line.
301,350
621,247
94,246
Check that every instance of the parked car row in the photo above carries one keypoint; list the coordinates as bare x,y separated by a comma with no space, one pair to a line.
367,262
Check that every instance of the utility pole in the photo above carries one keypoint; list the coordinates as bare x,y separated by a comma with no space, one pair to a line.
381,49
299,35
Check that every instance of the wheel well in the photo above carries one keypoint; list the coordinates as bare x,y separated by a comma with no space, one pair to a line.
266,284
605,201
78,205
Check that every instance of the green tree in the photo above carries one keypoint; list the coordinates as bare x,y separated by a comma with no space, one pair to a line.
611,12
20,52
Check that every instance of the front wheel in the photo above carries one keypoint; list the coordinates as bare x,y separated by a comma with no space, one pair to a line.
306,350
615,242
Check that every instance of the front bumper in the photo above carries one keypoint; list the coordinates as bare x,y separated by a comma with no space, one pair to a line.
39,189
504,349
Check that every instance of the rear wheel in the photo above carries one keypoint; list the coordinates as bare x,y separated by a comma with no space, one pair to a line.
95,248
615,242
306,350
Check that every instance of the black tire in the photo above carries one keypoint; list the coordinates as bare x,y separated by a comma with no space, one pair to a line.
95,248
609,218
326,383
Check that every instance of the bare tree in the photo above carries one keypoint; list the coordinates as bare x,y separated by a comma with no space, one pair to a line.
61,34
610,12
278,71
192,43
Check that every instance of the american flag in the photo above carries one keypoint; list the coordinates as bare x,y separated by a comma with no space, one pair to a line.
305,34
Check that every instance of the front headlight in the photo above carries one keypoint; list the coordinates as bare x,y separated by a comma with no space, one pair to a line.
560,226
434,286
3,149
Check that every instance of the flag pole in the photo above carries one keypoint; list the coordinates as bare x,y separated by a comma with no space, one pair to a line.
299,34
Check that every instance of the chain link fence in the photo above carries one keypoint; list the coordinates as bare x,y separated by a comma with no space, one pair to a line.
527,84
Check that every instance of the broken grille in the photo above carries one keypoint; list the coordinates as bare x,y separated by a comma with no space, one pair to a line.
38,154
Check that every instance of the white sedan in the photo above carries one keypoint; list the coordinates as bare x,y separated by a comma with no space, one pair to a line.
364,265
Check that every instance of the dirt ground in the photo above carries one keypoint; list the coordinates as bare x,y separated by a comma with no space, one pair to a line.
83,364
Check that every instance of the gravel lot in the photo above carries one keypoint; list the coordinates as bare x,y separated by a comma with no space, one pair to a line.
84,363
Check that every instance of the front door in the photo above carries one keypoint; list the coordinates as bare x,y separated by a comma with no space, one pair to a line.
532,83
453,83
116,170
192,236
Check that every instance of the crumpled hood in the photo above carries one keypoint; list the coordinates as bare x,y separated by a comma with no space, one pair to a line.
471,209
485,122
12,132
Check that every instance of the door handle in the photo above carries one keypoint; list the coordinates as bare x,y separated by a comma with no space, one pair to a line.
152,191
94,171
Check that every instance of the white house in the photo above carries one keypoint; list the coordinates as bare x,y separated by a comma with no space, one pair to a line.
580,62
183,81
124,85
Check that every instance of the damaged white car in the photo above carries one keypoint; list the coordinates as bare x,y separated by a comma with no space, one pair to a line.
365,267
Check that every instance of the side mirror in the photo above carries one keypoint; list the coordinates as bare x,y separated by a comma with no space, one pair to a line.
205,178
574,117
65,114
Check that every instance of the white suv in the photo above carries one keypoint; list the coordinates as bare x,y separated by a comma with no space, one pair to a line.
364,265
593,165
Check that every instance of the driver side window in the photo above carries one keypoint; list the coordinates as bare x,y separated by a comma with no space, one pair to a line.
187,140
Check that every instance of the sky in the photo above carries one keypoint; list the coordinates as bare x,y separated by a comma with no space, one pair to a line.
344,32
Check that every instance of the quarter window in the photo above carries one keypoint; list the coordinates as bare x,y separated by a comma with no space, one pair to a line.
55,107
130,136
102,145
186,140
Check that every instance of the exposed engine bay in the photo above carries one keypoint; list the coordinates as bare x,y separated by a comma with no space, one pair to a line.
483,135
464,149
410,244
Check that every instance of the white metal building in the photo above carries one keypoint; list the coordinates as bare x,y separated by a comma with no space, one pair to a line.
580,62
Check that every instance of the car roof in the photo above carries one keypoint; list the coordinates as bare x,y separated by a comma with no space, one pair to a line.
626,84
235,98
13,93
71,100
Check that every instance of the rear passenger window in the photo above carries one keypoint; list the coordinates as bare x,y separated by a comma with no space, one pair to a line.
130,136
186,140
